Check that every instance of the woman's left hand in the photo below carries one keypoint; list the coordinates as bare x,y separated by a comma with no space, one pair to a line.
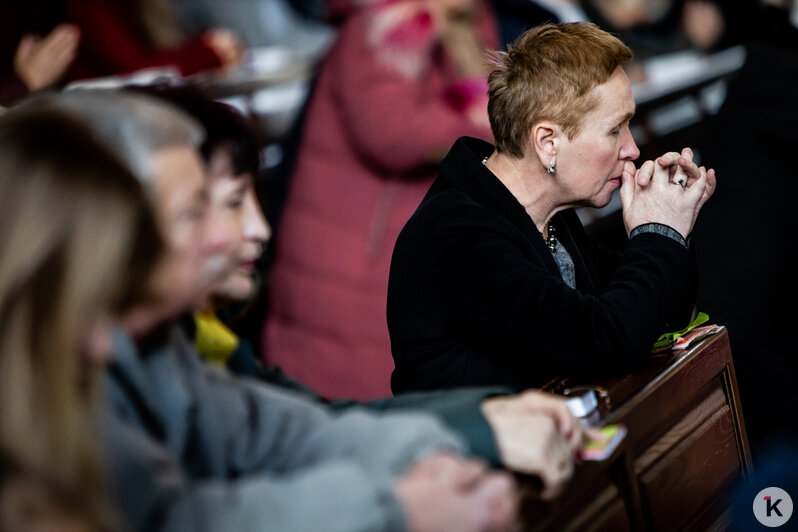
682,170
670,191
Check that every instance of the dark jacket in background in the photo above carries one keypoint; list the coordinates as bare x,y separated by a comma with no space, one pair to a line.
475,297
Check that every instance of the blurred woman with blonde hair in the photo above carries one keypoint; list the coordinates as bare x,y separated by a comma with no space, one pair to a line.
76,242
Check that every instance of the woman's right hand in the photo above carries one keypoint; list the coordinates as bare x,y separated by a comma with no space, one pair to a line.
654,196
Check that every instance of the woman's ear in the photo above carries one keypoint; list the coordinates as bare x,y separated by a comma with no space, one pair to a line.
545,140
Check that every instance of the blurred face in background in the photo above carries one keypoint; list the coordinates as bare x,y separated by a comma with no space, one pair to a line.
180,201
236,205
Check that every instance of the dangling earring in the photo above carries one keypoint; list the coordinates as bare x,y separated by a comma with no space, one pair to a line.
550,170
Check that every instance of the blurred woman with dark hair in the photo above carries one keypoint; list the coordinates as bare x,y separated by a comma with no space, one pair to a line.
231,150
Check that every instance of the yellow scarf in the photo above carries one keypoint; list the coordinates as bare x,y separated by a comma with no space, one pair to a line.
214,340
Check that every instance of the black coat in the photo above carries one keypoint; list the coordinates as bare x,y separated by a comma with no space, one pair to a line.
476,298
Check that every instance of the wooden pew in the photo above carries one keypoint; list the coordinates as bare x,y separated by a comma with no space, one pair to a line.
685,451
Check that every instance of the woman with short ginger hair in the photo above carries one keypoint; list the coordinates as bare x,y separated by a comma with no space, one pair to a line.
495,281
553,83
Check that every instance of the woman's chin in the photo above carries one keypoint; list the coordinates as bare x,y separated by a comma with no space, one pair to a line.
236,288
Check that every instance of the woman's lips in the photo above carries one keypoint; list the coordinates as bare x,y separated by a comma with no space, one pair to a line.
247,265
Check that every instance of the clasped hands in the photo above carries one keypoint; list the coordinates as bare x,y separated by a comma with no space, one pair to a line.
669,191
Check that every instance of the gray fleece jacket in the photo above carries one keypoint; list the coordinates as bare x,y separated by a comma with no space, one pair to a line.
193,448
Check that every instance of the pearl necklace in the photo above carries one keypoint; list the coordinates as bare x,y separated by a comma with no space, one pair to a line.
551,242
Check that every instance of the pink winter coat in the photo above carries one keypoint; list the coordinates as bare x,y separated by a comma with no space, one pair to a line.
387,102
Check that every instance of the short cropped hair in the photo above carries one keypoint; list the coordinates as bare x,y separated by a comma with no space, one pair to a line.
548,74
132,126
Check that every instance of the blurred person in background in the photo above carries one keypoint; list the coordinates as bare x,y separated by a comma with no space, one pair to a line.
120,37
649,27
746,259
49,44
76,242
231,153
37,48
533,433
32,501
656,27
401,82
517,16
260,23
38,62
194,448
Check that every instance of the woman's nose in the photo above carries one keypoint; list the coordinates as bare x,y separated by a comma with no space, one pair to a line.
256,227
630,150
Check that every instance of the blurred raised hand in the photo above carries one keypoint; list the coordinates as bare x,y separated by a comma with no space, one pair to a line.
42,61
